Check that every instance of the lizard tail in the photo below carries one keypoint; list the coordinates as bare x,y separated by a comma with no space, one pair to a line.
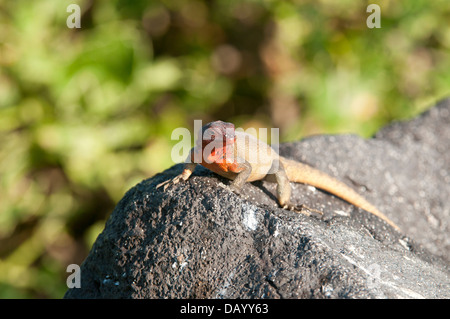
302,173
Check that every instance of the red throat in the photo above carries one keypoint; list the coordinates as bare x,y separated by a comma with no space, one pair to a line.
221,159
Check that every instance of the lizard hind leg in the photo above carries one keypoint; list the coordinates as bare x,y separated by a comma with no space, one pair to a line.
284,193
283,185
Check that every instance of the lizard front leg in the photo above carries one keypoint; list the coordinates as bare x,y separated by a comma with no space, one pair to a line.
184,176
245,169
189,168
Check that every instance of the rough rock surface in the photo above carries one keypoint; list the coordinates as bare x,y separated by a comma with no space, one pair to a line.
200,240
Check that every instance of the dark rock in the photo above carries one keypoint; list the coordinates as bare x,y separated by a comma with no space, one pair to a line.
200,240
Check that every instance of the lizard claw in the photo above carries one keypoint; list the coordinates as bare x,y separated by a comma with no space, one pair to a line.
235,189
170,182
302,209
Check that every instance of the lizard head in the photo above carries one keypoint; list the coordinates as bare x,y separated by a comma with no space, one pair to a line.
219,137
217,131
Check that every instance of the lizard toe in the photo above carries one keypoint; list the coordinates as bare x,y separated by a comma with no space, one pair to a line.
302,209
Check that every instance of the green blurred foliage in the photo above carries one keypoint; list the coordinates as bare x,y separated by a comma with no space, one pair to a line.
87,113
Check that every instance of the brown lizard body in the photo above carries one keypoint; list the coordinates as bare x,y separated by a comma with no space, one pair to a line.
243,158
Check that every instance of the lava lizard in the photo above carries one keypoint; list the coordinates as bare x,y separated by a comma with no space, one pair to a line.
243,158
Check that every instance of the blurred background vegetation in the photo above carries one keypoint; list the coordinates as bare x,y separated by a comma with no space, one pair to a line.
87,113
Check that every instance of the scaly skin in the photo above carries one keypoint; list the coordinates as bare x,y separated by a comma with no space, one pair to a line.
243,158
